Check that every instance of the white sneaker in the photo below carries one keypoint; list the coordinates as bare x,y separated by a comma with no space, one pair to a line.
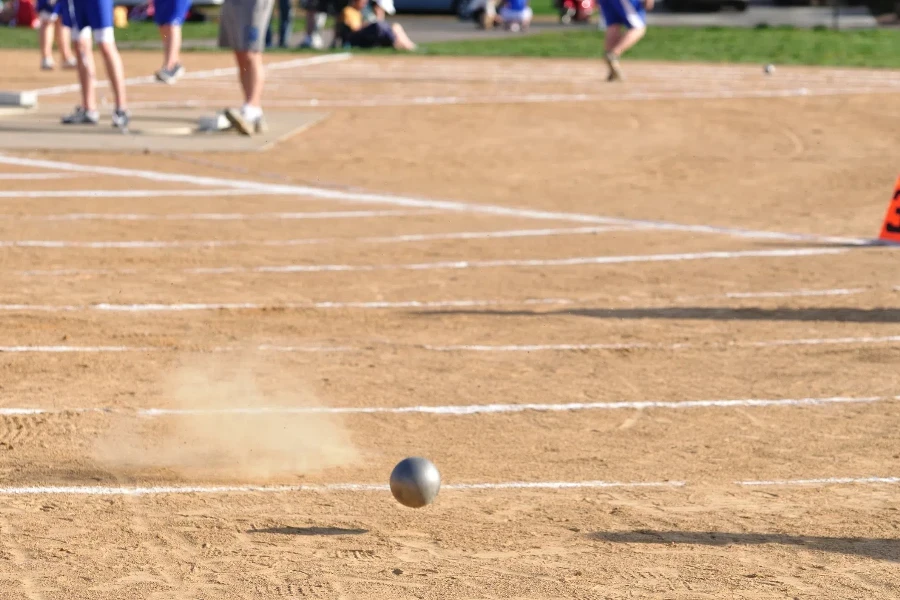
81,117
47,64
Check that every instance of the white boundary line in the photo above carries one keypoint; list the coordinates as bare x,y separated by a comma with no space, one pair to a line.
160,193
892,339
376,487
288,64
461,264
327,487
140,307
461,409
34,176
377,304
266,216
407,238
407,202
820,482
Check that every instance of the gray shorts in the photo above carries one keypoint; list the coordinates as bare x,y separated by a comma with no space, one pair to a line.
243,24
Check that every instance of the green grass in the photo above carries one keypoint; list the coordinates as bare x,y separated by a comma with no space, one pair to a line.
871,48
21,37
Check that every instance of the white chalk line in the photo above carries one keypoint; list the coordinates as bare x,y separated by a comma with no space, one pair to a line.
461,264
822,481
484,348
458,410
407,202
452,487
323,305
158,193
888,339
140,307
407,238
34,176
779,294
199,75
327,487
266,216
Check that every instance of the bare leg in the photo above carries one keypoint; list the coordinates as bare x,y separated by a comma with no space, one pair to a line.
45,39
631,37
171,36
84,55
115,71
401,40
64,43
250,69
613,35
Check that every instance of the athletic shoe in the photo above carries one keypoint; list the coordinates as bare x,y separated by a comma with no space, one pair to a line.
81,117
121,119
47,64
70,64
170,76
244,125
615,71
261,126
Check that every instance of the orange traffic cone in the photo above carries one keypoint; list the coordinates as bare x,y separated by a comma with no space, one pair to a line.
890,230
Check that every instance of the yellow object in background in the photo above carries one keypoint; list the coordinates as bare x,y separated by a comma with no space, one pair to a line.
120,17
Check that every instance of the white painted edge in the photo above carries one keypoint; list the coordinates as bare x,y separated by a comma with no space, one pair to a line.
200,75
820,482
158,193
778,294
891,339
328,487
408,202
375,487
34,176
464,264
188,307
460,410
406,238
264,216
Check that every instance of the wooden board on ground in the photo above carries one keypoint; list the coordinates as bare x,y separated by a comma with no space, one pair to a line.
155,130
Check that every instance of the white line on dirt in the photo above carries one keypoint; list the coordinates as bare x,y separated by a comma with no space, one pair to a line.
468,347
778,294
35,176
327,487
407,202
266,216
820,482
158,193
200,75
407,238
463,264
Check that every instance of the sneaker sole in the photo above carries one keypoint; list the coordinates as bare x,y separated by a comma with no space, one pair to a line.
241,125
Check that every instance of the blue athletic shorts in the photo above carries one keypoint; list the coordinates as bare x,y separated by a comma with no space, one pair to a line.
170,12
629,13
48,8
96,14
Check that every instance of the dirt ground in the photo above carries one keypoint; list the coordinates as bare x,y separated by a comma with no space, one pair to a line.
617,318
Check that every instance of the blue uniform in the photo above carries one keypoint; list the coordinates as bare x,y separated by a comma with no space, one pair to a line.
629,13
96,14
170,12
48,8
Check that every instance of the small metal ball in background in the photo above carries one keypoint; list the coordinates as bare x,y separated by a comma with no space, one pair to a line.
415,482
769,69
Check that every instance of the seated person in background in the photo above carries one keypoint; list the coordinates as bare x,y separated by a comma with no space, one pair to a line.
516,15
352,30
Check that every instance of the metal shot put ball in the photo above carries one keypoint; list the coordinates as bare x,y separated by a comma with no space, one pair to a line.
415,482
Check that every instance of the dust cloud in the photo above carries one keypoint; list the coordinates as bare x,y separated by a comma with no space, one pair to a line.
232,446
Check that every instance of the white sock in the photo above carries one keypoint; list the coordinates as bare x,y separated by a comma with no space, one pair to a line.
251,113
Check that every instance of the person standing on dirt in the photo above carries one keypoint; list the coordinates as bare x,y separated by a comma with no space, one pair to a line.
242,27
92,20
48,13
626,24
169,16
